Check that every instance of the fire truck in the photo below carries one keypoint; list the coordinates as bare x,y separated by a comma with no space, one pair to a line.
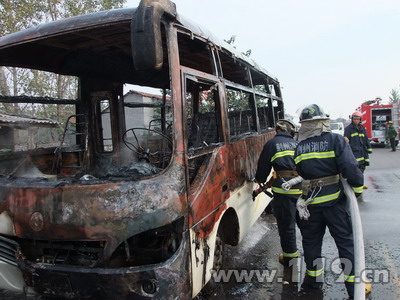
374,118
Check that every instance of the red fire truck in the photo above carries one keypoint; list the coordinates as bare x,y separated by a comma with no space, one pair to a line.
375,116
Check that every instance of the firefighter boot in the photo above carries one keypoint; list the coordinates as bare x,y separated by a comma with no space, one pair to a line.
313,283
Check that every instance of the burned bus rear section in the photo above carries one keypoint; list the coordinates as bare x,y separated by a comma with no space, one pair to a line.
118,193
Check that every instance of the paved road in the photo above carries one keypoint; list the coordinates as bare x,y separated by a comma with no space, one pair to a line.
380,213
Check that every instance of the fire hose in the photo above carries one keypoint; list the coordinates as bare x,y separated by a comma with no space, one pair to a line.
287,185
359,254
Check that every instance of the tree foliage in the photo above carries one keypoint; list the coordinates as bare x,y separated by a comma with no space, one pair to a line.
21,14
394,96
232,40
18,15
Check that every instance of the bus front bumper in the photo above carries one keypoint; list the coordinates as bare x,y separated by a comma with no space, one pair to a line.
167,280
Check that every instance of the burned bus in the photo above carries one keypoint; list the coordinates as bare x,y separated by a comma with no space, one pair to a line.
139,194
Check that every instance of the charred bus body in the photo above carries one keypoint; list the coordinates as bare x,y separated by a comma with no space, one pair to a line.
139,197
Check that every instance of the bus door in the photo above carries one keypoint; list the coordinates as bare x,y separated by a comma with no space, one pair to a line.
208,185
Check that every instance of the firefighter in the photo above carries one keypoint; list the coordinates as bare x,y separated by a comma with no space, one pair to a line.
356,135
391,133
320,157
278,154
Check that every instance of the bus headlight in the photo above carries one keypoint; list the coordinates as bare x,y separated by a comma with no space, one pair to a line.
149,247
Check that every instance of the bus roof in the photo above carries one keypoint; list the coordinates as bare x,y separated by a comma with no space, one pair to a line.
206,34
61,39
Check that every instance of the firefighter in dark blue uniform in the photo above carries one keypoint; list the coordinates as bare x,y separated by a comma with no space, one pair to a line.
356,135
278,154
320,157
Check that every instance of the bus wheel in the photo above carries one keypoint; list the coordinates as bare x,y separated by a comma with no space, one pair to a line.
212,286
219,251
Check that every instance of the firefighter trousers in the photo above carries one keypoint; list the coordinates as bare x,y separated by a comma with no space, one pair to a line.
393,144
337,219
284,208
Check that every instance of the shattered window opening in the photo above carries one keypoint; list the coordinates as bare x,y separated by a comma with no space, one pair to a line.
263,113
202,114
203,122
106,132
240,113
195,54
233,70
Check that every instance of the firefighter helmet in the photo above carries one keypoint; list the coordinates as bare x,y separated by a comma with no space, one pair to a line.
356,114
312,112
285,125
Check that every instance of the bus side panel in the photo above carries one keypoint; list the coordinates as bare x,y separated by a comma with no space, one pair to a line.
206,206
202,252
202,249
208,192
225,182
243,158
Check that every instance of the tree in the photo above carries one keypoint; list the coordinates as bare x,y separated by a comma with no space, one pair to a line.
18,15
343,120
394,96
21,14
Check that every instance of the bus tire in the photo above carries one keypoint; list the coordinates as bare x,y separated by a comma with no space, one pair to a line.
219,251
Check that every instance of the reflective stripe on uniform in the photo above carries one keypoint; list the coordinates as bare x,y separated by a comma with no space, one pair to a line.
293,255
362,159
326,198
281,154
301,157
357,134
289,192
358,189
349,278
315,273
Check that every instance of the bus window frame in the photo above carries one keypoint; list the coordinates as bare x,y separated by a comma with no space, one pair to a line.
186,73
252,105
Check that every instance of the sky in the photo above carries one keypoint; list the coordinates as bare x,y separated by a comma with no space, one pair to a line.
335,53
